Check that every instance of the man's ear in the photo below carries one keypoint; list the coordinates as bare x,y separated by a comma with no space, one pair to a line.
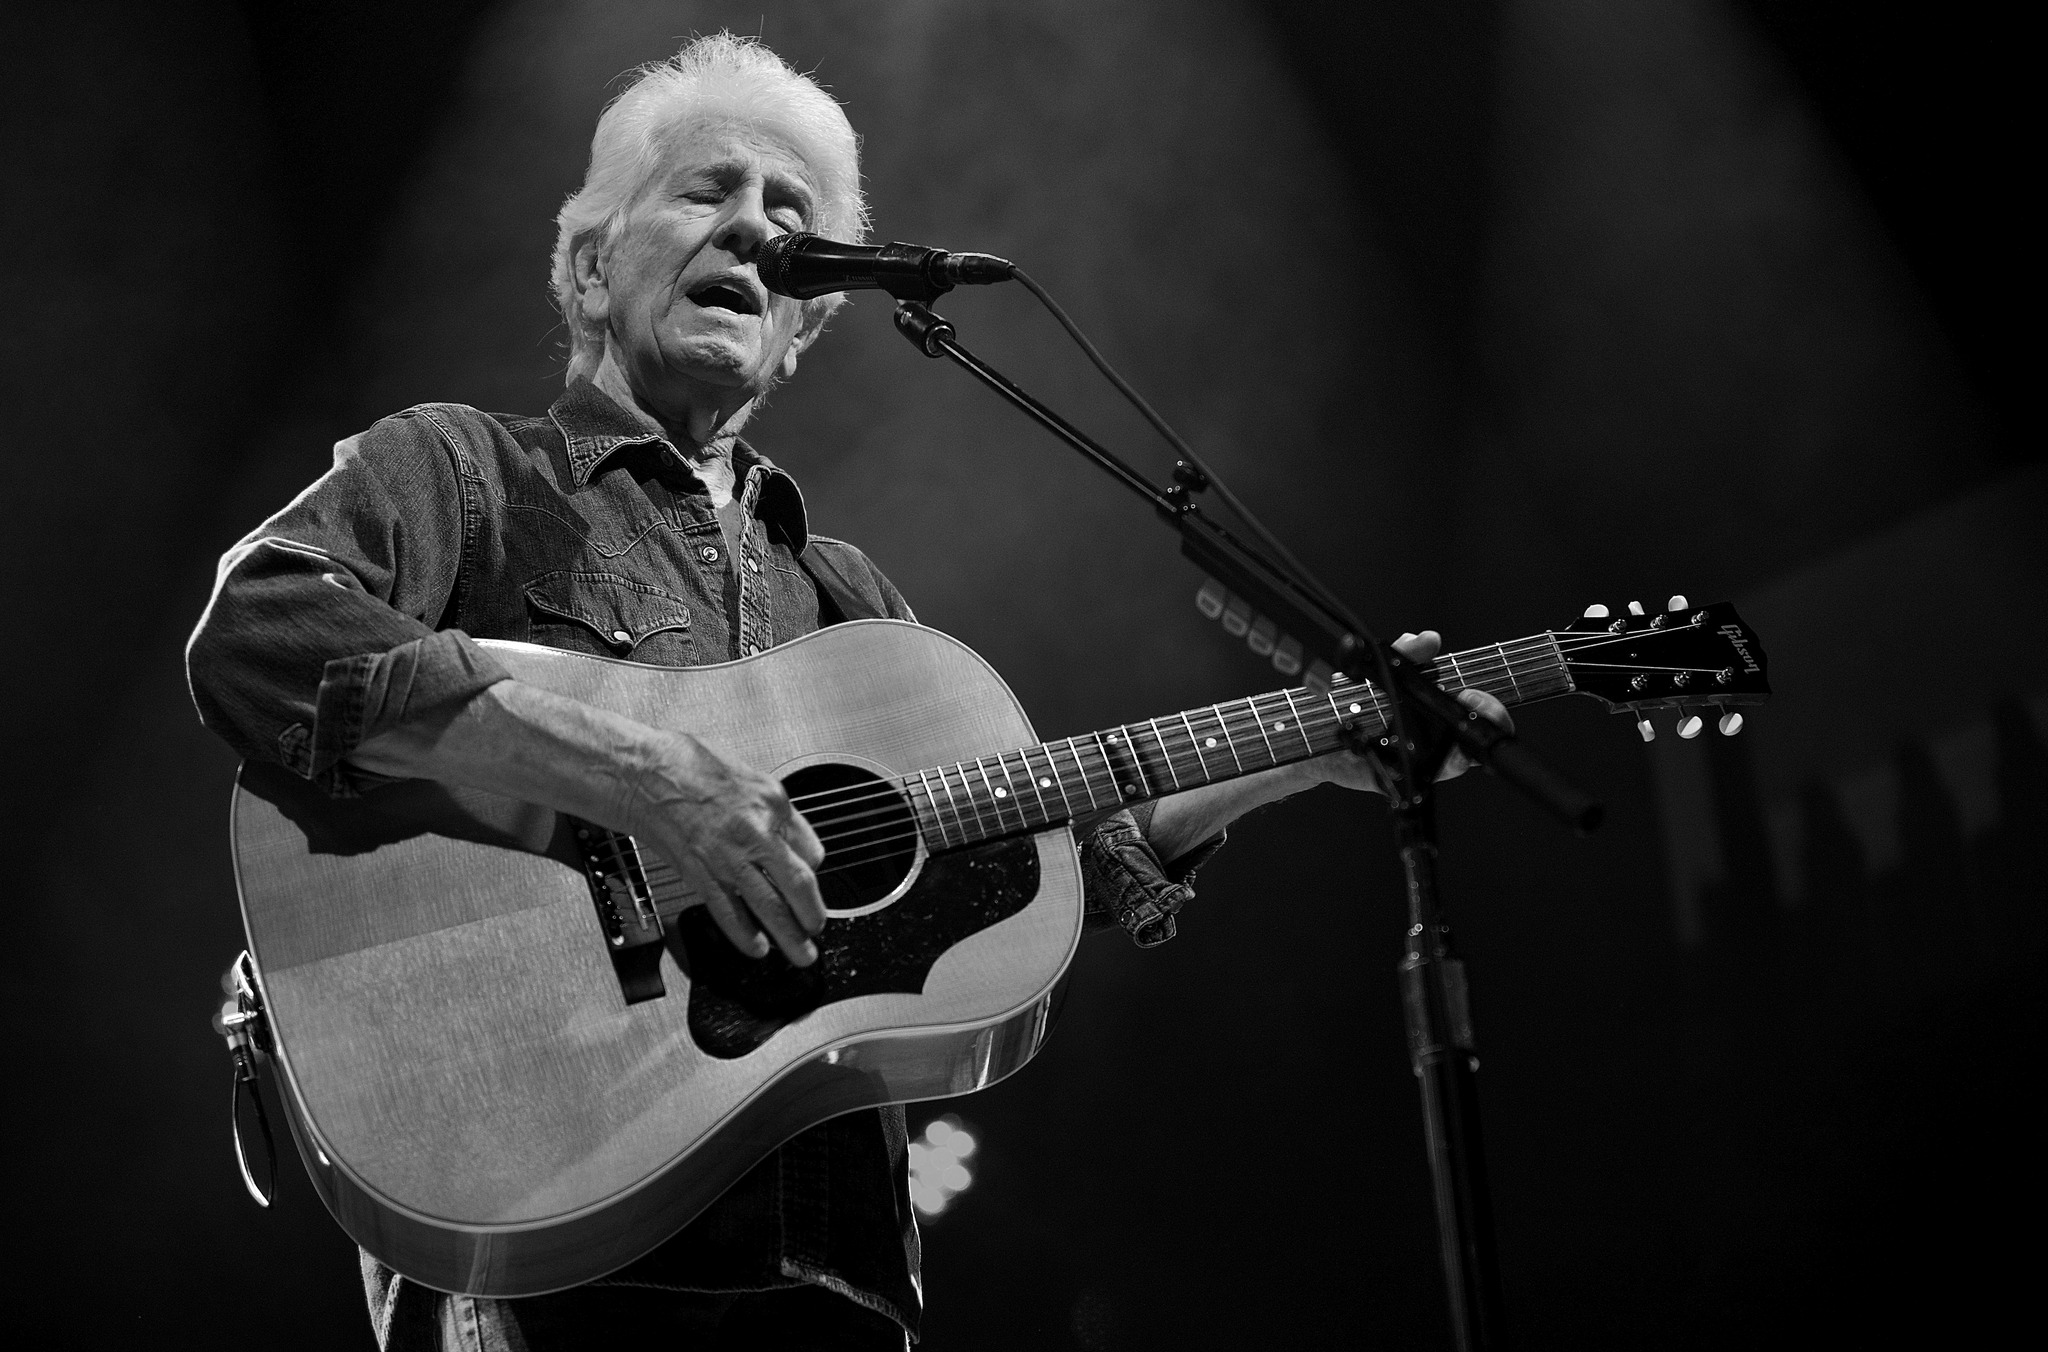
587,271
804,338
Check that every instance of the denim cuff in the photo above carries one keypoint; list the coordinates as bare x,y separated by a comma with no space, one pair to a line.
369,693
1128,886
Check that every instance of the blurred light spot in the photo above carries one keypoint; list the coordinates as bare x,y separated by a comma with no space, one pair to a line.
937,1171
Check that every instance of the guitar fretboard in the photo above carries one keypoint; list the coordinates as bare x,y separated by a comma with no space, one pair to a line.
1037,787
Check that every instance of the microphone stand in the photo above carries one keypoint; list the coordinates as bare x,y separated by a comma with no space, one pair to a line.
1425,726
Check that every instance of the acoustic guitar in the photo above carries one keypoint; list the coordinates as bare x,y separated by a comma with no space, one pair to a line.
515,1055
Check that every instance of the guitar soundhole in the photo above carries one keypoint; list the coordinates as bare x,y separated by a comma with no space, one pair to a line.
872,847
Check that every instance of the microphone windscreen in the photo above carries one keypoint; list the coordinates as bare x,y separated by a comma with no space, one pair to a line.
772,260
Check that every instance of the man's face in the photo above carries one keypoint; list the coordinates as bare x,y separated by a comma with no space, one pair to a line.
683,301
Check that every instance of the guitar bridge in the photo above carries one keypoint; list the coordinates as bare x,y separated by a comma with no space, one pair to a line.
625,910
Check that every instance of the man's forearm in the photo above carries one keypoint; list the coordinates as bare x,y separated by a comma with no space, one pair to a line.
526,743
1184,820
728,830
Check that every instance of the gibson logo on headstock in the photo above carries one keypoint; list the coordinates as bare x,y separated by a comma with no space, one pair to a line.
1736,639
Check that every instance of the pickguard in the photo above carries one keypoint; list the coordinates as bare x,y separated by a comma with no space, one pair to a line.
737,1002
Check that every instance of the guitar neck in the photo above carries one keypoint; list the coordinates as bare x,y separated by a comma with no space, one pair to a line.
1037,787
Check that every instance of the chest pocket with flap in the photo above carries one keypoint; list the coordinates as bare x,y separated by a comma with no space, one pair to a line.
611,616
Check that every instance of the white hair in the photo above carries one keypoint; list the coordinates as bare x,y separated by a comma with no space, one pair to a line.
720,77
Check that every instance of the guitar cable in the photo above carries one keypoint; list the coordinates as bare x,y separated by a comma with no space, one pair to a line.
242,1023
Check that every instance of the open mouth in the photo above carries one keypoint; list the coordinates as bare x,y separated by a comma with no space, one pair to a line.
726,295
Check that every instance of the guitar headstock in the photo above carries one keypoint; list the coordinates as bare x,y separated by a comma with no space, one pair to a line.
1685,657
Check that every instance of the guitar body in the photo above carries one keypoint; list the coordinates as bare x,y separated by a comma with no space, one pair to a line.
474,1095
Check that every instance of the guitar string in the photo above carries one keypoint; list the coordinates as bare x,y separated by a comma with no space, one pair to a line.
848,854
894,796
1497,667
1512,658
843,855
1172,758
897,812
823,795
856,792
1489,665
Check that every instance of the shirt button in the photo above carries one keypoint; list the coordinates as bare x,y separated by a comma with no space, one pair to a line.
753,565
753,649
621,636
708,553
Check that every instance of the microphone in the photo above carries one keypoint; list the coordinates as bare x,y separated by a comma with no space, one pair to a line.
803,266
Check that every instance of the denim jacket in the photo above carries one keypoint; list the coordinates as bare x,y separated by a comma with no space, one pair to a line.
352,611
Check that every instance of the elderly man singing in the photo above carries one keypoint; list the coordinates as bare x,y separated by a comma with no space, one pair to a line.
631,521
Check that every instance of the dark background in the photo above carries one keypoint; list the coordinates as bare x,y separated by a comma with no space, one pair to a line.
1495,309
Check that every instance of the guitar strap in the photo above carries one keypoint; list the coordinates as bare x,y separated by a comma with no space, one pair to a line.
838,601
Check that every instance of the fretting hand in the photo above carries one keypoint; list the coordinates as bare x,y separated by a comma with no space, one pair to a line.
1185,820
1355,771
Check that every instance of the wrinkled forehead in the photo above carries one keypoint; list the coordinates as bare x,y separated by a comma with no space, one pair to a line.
728,138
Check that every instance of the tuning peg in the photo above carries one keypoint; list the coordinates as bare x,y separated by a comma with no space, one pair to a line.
1643,726
1635,607
1211,599
1730,724
1675,603
1596,612
1262,636
1689,726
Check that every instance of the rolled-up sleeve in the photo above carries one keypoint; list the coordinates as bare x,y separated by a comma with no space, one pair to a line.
1129,886
321,629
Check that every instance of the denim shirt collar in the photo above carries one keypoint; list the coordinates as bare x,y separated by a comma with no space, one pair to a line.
595,427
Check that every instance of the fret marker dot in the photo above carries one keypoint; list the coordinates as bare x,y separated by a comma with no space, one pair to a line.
1279,724
1002,792
1210,742
1044,783
1357,708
